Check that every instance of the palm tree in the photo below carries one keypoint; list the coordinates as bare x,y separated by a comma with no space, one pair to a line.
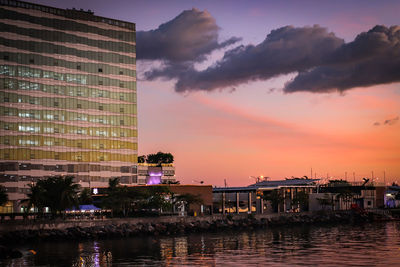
57,193
3,196
85,197
36,198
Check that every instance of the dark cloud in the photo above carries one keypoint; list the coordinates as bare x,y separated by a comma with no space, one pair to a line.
324,63
388,121
188,37
372,58
284,50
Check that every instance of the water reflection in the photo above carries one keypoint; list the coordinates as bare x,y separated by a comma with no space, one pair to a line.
370,244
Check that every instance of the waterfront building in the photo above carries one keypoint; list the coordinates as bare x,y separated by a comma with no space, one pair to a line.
67,97
150,174
253,198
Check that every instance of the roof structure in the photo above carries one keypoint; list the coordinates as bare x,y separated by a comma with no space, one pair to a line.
265,185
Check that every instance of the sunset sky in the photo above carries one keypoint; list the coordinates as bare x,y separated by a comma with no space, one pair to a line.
229,102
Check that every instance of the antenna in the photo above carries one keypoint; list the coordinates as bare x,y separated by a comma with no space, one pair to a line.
384,177
354,177
311,173
225,182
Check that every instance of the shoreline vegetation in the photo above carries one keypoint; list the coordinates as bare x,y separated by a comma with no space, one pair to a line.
59,230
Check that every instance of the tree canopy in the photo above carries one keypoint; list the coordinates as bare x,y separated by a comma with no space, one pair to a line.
157,158
57,193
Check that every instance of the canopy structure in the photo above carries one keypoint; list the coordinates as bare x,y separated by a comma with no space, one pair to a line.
84,208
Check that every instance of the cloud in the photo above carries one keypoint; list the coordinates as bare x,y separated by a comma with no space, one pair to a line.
323,62
188,37
284,50
391,121
388,121
372,58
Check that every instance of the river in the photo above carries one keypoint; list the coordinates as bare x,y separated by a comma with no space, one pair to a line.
375,244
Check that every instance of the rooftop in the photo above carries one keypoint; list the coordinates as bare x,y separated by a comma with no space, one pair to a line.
69,13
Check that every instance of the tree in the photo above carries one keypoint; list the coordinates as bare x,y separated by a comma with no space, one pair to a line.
160,158
187,200
301,199
57,193
36,198
142,159
3,196
85,197
276,198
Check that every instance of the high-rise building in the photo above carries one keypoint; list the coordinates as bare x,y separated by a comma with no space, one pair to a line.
67,97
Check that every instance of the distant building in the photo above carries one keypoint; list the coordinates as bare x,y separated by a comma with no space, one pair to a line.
152,174
67,97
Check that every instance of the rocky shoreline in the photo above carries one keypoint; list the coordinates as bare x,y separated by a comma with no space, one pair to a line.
157,227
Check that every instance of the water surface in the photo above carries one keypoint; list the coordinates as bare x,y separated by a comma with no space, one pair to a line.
366,245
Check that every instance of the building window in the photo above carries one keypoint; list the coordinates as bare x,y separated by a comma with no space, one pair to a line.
78,67
56,130
100,107
100,82
31,61
56,104
121,122
6,141
6,57
121,72
55,63
57,156
6,156
101,146
79,145
121,85
32,156
78,105
56,117
121,110
101,158
122,134
6,99
121,97
100,70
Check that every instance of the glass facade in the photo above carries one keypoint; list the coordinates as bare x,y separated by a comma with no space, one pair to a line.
67,96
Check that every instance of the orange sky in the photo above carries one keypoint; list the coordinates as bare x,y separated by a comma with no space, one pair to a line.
233,136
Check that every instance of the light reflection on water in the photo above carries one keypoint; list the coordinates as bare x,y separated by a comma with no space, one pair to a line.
366,245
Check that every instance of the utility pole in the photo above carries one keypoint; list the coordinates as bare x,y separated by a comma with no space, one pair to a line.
311,173
345,176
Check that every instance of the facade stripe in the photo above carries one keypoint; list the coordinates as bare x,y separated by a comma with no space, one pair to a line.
57,36
71,58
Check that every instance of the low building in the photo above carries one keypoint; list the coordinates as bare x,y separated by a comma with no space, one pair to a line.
344,197
151,174
254,198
